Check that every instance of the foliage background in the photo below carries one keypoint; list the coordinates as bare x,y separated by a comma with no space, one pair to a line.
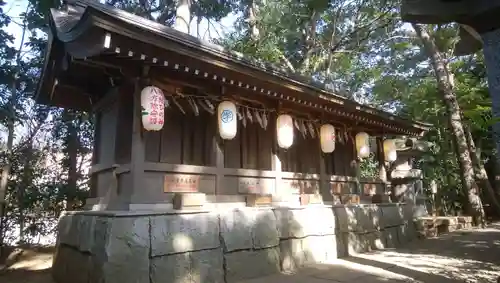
357,48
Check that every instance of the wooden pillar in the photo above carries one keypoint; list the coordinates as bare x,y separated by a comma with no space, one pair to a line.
276,161
381,160
324,182
355,167
126,191
219,162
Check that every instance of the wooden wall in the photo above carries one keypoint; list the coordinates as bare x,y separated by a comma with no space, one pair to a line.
190,139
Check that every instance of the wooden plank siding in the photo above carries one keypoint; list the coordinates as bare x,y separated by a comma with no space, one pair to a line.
188,139
189,145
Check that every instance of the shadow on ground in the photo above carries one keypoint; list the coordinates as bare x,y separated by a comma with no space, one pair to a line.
462,256
27,265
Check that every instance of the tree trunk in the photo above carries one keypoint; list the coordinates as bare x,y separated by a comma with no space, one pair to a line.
4,180
445,86
252,20
11,119
25,182
183,16
481,174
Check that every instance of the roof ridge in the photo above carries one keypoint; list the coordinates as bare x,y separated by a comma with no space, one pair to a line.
218,50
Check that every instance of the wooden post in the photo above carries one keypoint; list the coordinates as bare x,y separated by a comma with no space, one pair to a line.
276,161
324,183
219,163
126,191
381,160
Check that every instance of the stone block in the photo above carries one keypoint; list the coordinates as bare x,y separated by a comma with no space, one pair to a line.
191,267
244,265
183,233
391,216
174,268
296,223
236,229
207,266
407,211
376,240
86,235
78,267
69,229
390,236
341,244
319,249
368,218
295,253
70,263
330,245
63,229
76,230
102,225
406,233
264,230
127,250
346,218
357,243
314,250
292,256
59,263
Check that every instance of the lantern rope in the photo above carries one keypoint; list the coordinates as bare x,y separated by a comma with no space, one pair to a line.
246,113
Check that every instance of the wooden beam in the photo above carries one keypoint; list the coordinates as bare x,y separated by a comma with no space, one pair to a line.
347,109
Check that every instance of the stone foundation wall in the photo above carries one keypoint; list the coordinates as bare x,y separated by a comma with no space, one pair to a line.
226,246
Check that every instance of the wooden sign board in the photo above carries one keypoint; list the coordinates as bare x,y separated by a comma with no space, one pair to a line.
300,186
349,199
254,200
181,183
369,189
249,185
306,199
340,188
255,185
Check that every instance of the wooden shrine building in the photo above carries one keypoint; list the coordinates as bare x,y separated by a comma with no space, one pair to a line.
100,58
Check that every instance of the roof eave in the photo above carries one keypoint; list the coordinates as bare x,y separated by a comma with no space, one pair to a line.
97,10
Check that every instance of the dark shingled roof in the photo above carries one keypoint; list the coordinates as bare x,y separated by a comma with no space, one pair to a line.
68,24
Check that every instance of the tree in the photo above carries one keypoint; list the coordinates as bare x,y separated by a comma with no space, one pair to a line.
445,86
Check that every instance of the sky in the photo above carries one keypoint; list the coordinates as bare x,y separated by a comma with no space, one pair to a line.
15,7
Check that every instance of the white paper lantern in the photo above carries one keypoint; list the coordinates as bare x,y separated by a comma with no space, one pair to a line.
153,108
284,128
327,138
228,122
390,153
363,145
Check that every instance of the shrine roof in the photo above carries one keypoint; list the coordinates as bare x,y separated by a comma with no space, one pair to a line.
83,20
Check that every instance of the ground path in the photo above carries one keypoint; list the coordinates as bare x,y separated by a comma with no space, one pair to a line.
463,256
